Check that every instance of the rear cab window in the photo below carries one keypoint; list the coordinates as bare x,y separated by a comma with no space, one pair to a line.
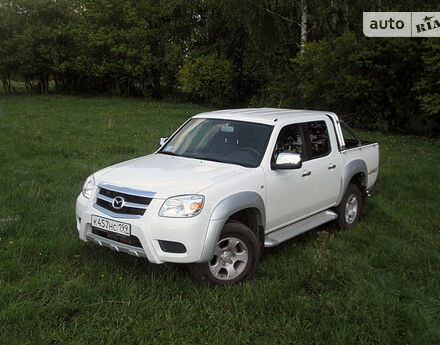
318,139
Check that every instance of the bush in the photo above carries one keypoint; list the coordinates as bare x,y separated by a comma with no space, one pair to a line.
208,79
367,81
428,87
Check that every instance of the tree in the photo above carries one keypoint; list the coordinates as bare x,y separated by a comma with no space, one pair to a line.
208,78
9,59
428,86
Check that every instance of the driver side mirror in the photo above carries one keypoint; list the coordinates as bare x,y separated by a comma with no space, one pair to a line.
287,160
162,141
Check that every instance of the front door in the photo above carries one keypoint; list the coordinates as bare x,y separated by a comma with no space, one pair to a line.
287,190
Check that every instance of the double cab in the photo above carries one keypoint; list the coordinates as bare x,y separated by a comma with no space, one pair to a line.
226,185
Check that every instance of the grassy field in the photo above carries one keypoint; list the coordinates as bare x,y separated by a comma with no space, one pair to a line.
376,284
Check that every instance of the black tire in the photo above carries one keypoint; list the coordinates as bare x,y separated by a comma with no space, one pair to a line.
261,241
227,260
352,199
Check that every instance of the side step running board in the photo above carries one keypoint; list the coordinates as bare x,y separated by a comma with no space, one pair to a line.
276,237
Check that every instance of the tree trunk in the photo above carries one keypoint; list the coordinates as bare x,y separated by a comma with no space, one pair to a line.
4,84
156,92
303,25
346,14
44,84
6,81
333,13
57,83
118,88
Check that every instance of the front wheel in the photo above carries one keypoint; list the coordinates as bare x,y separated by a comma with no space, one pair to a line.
350,207
235,257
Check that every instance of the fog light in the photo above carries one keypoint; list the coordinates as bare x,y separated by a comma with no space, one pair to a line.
172,247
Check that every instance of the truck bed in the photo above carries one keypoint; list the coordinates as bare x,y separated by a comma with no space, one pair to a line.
369,152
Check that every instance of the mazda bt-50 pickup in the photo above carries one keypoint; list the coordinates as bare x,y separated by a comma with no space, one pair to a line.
226,185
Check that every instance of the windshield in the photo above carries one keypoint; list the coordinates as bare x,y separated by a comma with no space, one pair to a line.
235,142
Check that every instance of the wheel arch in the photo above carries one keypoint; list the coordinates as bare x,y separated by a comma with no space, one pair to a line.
354,172
252,218
248,206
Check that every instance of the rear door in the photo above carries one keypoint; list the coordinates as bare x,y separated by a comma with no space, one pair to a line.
323,164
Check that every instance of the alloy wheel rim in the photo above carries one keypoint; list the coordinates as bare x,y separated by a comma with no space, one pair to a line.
351,209
230,259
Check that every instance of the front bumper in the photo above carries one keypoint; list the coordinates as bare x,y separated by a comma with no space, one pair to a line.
149,229
117,246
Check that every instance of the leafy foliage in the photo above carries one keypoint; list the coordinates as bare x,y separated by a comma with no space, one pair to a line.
367,81
428,87
221,51
208,78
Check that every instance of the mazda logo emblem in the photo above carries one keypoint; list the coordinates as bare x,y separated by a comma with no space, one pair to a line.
118,202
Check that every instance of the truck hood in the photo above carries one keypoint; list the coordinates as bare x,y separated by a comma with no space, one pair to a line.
168,175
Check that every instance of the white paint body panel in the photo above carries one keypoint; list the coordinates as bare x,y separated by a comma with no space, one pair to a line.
169,175
287,195
369,154
295,196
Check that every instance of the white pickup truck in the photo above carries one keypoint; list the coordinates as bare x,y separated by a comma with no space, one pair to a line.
227,184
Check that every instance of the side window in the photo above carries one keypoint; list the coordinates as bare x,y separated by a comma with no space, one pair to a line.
290,140
318,138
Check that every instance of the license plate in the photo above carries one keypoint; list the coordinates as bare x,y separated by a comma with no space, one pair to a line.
111,225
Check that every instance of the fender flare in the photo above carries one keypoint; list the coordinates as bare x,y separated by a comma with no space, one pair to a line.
354,167
224,209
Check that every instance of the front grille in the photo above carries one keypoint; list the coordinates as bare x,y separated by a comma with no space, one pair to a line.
130,240
134,204
128,197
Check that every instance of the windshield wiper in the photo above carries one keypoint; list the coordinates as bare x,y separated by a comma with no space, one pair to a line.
220,161
204,158
169,153
208,159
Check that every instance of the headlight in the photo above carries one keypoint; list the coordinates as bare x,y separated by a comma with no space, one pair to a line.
89,184
183,206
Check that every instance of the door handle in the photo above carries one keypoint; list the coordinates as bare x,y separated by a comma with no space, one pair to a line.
306,173
331,166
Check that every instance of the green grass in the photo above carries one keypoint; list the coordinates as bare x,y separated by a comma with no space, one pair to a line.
375,284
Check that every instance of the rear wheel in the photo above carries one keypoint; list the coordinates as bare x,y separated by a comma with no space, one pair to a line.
235,257
350,207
